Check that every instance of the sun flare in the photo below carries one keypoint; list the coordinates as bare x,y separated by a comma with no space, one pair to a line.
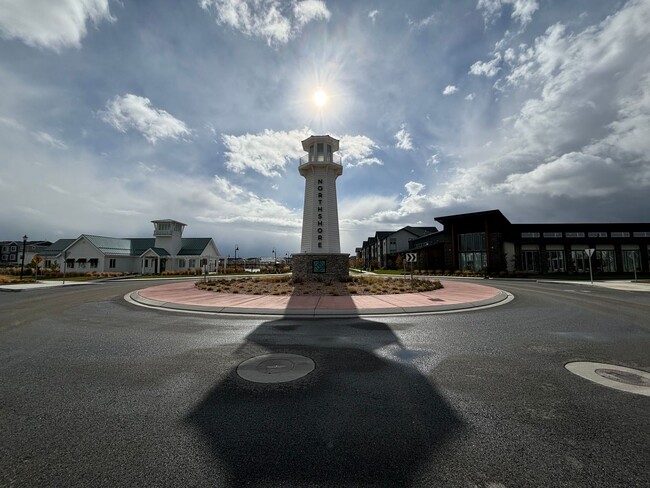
320,97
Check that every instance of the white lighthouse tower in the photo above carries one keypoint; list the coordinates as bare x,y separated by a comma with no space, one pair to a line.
320,248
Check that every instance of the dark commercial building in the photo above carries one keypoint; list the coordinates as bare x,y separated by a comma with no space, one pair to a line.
489,242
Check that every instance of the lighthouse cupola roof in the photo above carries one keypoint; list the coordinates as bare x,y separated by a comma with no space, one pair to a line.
326,139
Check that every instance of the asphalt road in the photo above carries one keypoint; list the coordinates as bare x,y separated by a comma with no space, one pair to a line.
98,392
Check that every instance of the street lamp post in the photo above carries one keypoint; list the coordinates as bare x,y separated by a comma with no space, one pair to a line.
22,264
275,261
236,249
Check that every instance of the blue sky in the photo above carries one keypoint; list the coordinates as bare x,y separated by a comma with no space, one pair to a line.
115,113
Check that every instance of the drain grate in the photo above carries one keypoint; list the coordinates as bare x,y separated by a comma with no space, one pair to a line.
275,368
613,376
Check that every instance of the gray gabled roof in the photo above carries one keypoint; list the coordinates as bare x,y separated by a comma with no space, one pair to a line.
159,251
420,231
110,245
115,246
193,246
56,248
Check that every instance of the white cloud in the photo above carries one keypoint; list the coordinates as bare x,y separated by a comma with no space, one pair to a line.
413,188
269,152
266,153
488,68
358,151
470,96
134,112
46,138
12,123
373,15
308,10
51,24
57,189
583,134
434,160
450,90
522,10
404,140
226,202
421,23
276,22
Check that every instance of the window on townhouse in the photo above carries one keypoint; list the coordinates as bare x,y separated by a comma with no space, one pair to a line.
192,263
181,263
112,263
69,263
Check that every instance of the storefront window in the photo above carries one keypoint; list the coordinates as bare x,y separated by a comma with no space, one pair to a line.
530,261
472,253
631,260
555,262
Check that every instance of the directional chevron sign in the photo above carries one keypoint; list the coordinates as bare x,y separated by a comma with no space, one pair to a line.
411,257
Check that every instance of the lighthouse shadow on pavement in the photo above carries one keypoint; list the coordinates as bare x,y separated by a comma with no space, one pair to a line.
357,418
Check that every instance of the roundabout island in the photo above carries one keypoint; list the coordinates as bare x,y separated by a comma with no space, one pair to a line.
186,297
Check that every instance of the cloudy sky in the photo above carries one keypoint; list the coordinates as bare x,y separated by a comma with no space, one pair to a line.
114,113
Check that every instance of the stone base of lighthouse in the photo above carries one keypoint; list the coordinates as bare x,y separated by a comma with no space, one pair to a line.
320,267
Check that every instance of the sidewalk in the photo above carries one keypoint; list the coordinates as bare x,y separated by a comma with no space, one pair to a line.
42,284
186,297
614,285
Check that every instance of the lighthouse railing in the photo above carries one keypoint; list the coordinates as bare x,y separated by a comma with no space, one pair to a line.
321,158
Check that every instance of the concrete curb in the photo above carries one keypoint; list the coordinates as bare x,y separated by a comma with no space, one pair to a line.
499,299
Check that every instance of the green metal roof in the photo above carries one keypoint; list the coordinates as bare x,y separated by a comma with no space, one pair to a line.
140,244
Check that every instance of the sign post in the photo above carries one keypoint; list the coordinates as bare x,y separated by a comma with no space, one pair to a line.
589,253
65,264
411,257
37,260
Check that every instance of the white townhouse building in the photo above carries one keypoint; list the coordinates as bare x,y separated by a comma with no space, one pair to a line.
168,250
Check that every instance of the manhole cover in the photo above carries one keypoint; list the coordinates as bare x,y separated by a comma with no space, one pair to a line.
275,368
617,377
623,377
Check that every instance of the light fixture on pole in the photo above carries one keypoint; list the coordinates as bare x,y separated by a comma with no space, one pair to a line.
236,249
22,265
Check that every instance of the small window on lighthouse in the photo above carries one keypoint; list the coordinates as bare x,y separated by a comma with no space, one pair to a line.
311,152
329,153
319,151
